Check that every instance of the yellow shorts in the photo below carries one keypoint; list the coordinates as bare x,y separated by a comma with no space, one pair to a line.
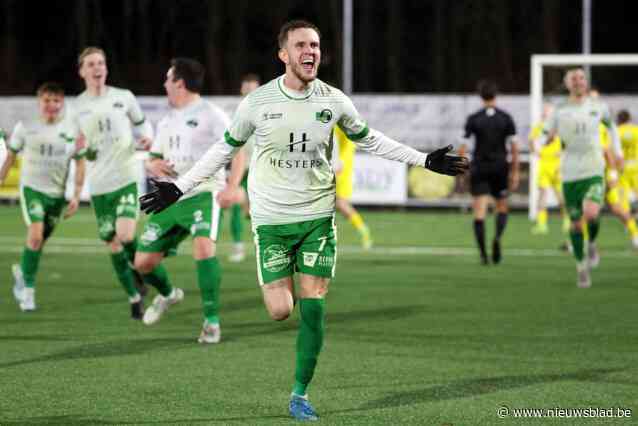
549,177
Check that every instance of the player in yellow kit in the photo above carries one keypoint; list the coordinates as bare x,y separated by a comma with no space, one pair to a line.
343,171
617,196
548,173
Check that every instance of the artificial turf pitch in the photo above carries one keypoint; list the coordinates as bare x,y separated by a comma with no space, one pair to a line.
417,332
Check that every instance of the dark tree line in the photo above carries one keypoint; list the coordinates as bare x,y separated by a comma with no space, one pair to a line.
400,46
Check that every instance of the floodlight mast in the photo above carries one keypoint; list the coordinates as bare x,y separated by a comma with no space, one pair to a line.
536,96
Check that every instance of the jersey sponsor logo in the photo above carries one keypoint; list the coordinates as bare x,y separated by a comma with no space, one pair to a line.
274,116
310,258
276,258
192,123
299,145
200,226
325,116
295,164
152,232
118,104
326,261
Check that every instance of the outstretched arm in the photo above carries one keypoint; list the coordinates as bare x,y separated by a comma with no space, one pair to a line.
167,193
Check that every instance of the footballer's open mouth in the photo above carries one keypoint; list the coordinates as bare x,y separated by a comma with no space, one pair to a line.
308,64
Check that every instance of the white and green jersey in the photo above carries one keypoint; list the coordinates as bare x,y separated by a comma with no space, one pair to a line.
108,121
578,126
291,176
47,150
184,135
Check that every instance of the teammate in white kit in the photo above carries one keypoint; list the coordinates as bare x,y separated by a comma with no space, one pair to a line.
183,137
577,123
110,119
48,143
292,187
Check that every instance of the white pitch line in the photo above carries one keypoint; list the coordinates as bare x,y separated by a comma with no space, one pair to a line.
93,246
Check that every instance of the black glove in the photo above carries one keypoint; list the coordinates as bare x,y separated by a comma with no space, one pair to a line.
439,161
165,194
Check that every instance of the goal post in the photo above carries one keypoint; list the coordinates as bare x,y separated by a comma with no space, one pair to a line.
538,63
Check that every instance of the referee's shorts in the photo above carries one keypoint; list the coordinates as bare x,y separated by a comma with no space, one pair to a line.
489,178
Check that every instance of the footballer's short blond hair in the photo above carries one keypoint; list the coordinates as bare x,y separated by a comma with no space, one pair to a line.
89,51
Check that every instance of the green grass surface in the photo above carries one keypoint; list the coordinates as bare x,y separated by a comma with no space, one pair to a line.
417,333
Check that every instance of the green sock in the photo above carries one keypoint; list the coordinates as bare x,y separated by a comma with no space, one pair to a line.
592,229
309,342
209,276
29,264
235,222
124,272
129,249
577,244
158,278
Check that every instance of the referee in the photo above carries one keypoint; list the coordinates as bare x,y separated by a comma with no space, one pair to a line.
490,174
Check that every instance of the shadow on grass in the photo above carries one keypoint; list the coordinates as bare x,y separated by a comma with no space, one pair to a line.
479,386
106,349
35,338
236,331
76,420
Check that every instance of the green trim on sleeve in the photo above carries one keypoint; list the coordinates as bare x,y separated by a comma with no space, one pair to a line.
12,149
139,123
232,142
357,136
155,155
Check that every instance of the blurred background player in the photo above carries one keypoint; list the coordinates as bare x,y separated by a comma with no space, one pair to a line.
249,83
343,170
490,174
628,135
548,172
615,191
618,190
183,136
577,122
111,119
48,142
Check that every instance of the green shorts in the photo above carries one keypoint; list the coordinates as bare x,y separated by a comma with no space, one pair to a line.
197,216
112,205
40,207
309,247
575,192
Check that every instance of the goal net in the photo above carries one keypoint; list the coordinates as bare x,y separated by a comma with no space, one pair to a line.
554,66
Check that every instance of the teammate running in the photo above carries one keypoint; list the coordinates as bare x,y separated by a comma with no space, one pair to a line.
47,142
292,187
577,122
109,118
183,136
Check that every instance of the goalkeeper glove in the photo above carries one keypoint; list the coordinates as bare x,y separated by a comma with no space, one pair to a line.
440,161
165,194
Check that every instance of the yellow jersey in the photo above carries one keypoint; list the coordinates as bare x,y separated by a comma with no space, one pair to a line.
628,134
549,153
346,156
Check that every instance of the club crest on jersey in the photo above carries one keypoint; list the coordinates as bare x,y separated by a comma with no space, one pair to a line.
593,113
192,123
325,116
118,104
65,137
